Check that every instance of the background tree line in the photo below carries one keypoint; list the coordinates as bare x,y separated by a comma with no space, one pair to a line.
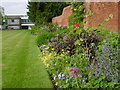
43,12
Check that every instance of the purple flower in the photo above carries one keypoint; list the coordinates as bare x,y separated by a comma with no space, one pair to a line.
57,35
64,25
60,39
74,71
55,43
45,28
60,25
61,33
65,38
73,81
43,46
49,43
53,39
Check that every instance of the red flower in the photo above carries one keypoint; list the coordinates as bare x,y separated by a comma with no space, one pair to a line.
74,31
76,25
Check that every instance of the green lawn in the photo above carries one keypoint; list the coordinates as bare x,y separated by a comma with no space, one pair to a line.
21,66
0,59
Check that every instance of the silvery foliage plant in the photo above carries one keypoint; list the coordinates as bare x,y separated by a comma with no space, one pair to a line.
107,61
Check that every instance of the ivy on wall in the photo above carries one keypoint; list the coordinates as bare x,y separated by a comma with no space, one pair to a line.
78,13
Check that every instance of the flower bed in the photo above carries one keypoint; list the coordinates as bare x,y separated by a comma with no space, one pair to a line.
77,58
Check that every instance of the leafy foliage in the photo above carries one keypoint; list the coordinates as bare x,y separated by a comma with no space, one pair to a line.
78,13
41,12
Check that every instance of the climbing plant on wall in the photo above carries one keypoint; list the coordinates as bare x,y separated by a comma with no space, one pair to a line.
78,13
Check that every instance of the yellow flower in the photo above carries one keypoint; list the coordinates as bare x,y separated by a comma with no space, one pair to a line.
62,49
50,54
47,65
62,55
47,48
67,64
53,49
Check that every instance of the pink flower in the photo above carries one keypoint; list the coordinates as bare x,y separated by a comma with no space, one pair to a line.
76,25
65,38
74,71
60,39
53,39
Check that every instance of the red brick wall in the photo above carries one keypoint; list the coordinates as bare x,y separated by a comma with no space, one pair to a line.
101,10
63,19
119,16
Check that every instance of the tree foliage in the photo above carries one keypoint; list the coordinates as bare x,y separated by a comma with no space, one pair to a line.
43,12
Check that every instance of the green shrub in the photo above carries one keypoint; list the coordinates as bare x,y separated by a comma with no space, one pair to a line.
44,37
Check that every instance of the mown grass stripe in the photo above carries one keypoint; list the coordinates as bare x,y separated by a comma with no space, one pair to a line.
22,67
8,35
11,62
9,38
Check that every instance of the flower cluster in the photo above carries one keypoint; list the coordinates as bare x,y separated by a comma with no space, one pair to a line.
45,28
78,60
75,72
46,56
53,44
75,25
62,26
42,47
53,39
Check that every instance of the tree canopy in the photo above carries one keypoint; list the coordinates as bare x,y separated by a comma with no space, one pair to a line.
43,12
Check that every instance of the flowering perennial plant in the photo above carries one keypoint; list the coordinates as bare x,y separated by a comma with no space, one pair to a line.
76,25
82,59
74,31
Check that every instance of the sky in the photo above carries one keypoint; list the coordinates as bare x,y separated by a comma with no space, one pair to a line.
14,6
19,6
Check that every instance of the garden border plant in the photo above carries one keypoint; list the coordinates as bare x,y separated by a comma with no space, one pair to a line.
72,49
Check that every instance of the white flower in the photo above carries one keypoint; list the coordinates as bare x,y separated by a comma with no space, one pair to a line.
63,75
56,83
79,75
54,77
59,76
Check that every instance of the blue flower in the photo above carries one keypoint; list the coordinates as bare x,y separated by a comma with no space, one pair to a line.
57,72
85,79
59,76
73,81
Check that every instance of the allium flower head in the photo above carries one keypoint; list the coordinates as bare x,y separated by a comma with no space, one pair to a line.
74,71
65,38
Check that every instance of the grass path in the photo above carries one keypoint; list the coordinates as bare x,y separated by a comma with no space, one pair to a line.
21,65
0,59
